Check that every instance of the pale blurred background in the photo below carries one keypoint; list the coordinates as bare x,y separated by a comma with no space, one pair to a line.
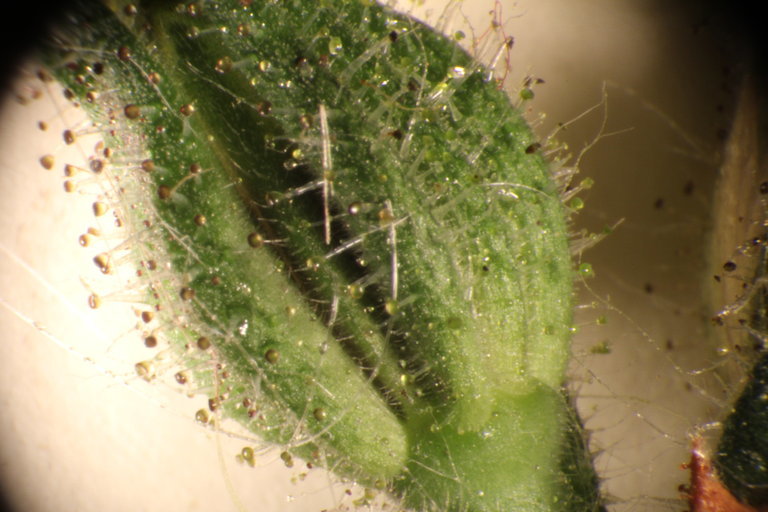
79,432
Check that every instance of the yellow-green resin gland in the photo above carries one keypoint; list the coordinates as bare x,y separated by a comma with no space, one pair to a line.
352,215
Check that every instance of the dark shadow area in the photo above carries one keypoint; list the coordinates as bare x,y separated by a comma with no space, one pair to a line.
24,24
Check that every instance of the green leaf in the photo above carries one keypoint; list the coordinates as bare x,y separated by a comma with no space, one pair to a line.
341,203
